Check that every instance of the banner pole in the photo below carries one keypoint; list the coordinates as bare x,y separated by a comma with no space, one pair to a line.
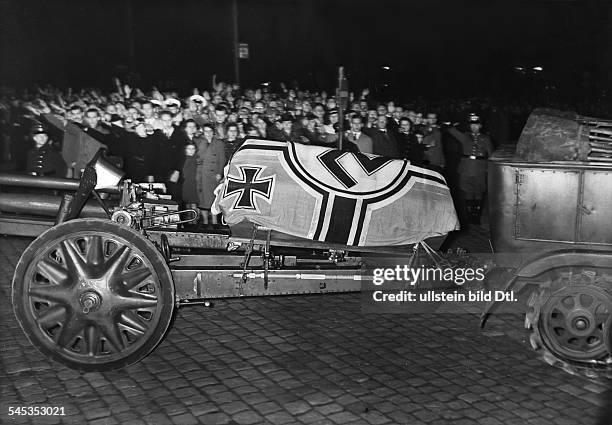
342,96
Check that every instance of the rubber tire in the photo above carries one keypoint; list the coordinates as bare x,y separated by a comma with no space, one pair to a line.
160,267
538,341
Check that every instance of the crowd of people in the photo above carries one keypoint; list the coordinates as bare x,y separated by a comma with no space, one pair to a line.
185,141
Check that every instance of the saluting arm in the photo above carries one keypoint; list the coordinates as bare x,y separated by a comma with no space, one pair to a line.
462,137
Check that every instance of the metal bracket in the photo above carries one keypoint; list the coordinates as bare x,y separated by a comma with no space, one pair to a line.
266,258
87,185
165,250
247,259
101,202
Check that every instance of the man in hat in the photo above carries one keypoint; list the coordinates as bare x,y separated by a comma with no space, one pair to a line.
432,142
287,131
195,107
477,148
174,106
43,159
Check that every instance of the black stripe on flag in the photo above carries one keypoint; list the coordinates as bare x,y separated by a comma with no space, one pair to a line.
322,211
341,220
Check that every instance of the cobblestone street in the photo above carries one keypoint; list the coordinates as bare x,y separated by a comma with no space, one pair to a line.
310,359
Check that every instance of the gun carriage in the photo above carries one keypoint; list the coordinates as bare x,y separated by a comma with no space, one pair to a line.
96,289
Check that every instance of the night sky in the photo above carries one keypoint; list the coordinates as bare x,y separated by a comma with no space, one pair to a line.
433,46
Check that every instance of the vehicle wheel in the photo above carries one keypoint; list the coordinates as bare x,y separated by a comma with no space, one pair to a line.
569,321
93,294
608,335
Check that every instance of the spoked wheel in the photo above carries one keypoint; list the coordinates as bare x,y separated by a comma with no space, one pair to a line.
570,323
93,295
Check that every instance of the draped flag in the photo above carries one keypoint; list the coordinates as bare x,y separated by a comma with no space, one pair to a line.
333,196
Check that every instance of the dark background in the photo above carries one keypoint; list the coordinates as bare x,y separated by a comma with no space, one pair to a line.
433,47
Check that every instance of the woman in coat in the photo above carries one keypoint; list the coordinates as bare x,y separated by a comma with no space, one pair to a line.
210,163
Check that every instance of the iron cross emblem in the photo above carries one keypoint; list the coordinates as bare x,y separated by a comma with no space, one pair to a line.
249,185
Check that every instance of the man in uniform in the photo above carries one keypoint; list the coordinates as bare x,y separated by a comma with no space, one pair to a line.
432,140
43,159
477,148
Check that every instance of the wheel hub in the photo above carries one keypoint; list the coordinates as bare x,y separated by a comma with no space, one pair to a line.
581,323
573,322
90,301
93,298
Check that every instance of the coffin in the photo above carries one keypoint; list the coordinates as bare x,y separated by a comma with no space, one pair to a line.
332,197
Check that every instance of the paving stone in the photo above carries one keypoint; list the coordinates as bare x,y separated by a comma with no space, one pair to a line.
184,419
234,407
278,418
268,407
317,399
247,417
297,407
255,398
96,413
158,419
343,417
311,417
203,408
215,418
329,408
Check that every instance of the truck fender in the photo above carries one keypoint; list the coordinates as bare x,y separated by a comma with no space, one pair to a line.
549,261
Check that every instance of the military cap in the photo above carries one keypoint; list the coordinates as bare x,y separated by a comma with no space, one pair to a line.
198,99
473,119
172,102
38,129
